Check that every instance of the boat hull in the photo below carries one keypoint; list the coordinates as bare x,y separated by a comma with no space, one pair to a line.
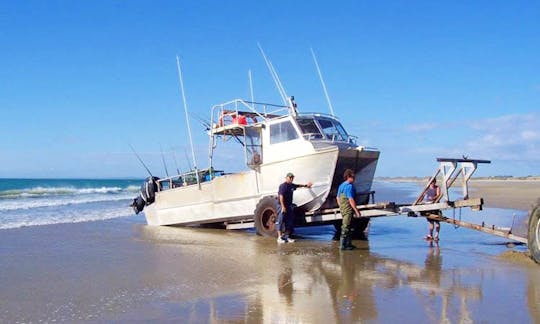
233,197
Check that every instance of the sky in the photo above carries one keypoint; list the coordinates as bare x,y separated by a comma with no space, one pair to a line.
81,80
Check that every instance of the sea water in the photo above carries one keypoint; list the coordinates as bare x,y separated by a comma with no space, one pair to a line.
33,202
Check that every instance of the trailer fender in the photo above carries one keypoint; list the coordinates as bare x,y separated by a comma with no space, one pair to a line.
265,216
534,232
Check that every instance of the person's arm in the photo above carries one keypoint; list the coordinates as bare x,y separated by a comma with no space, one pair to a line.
282,202
438,194
307,185
350,194
353,205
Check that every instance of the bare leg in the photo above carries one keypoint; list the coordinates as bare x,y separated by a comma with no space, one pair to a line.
430,235
437,230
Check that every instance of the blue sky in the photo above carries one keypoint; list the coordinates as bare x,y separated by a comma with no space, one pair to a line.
418,80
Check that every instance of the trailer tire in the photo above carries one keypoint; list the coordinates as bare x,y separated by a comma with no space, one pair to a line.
265,216
358,226
534,232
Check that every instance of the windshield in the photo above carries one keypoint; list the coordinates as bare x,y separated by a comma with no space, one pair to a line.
333,130
282,132
309,128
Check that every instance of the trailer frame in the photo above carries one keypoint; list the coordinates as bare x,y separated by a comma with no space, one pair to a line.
450,170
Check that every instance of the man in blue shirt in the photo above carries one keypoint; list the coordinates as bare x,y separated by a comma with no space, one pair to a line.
347,206
285,221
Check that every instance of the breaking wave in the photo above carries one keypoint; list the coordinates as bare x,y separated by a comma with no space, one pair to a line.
62,191
33,202
17,204
71,216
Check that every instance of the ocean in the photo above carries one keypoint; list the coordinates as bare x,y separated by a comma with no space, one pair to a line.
34,202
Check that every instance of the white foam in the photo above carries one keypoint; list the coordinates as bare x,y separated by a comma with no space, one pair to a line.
56,191
132,188
29,203
70,216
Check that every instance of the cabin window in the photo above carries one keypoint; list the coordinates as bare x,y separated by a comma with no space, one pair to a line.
341,130
333,132
309,129
282,132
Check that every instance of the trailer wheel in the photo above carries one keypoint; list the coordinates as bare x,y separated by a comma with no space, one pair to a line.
358,225
534,232
265,216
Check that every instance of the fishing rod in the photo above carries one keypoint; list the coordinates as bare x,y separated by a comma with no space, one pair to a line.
322,83
202,121
140,160
251,89
187,159
187,120
274,75
175,161
163,160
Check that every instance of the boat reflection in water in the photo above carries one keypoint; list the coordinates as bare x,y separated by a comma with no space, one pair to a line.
312,281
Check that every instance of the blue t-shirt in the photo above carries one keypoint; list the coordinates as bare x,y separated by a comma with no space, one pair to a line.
286,190
347,189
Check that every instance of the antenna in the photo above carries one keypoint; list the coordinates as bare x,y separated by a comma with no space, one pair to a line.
187,117
251,89
322,83
140,160
273,73
163,160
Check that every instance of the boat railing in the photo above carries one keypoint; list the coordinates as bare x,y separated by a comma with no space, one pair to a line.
242,113
189,178
351,139
317,114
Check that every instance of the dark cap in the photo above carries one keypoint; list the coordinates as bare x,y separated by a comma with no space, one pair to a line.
290,175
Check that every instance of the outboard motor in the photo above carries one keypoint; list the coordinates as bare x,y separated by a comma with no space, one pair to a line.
147,194
137,204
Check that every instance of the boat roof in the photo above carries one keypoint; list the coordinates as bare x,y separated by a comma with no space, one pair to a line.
231,117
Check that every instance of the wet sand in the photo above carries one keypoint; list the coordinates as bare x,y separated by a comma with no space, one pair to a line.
508,193
515,194
123,271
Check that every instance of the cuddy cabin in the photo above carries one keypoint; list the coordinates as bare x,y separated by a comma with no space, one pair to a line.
275,140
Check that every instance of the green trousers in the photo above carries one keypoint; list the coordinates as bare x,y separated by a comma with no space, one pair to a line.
347,215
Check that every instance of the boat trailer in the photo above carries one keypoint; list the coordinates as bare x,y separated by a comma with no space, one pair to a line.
450,170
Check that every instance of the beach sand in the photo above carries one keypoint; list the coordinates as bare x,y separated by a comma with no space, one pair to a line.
514,194
122,270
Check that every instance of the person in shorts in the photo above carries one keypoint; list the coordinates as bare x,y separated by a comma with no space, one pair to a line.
432,195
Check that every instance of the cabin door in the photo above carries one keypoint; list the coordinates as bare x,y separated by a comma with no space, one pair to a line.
253,146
